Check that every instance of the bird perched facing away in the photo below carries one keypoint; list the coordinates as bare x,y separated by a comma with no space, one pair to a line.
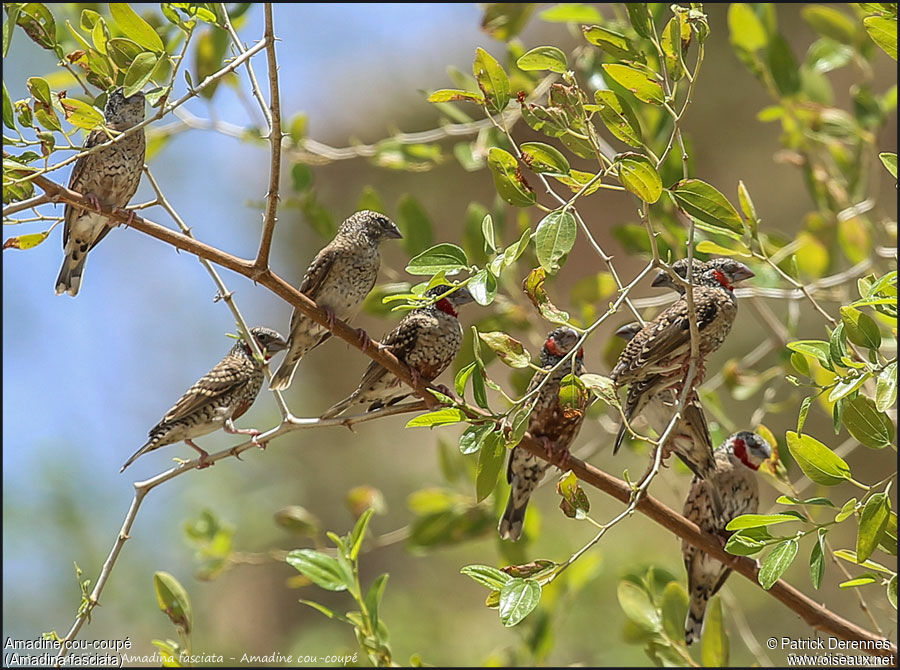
549,421
338,279
218,398
736,463
689,438
107,177
663,345
427,340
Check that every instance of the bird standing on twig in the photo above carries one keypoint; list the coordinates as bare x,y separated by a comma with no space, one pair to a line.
107,177
737,461
426,340
550,422
338,280
218,398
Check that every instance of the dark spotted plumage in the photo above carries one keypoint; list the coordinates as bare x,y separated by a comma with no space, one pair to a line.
110,177
339,278
735,482
549,421
427,340
218,398
689,438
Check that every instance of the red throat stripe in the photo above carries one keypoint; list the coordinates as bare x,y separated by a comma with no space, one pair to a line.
720,277
740,450
550,345
446,307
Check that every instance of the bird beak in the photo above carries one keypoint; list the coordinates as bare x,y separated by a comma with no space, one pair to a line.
394,233
628,331
276,346
461,296
741,273
661,279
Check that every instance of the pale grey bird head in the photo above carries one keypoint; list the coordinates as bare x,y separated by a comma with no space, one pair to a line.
560,341
373,225
269,341
122,113
679,267
751,449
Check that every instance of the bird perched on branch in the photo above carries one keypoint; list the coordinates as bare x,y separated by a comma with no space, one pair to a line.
108,177
338,280
689,438
551,421
657,356
218,398
735,481
426,340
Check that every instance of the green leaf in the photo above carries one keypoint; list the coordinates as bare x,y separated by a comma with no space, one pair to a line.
459,382
9,119
139,73
847,511
37,22
755,520
861,329
890,162
518,598
883,32
508,179
602,387
135,27
704,203
415,225
619,118
321,569
674,606
544,159
173,600
847,385
518,421
543,58
508,349
850,555
571,12
639,17
867,424
636,81
748,541
747,206
358,534
816,348
39,89
12,17
487,231
804,411
710,247
444,257
862,580
637,606
791,500
298,520
505,20
483,287
80,114
327,611
817,559
886,388
487,576
440,417
714,642
613,43
554,238
473,437
829,22
534,289
574,503
676,37
490,462
492,80
817,461
745,29
783,66
638,175
872,521
777,561
892,591
453,94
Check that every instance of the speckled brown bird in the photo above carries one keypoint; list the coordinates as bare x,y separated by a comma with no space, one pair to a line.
338,280
680,268
218,398
550,422
427,340
109,177
737,461
663,345
689,438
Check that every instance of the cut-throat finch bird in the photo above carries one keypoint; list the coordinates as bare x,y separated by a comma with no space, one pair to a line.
550,421
338,279
218,398
657,357
108,177
689,438
427,340
737,461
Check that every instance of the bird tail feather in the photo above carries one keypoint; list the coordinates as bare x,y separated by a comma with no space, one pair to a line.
510,527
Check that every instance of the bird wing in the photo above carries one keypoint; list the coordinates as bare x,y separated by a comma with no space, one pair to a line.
317,272
226,376
96,137
400,342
